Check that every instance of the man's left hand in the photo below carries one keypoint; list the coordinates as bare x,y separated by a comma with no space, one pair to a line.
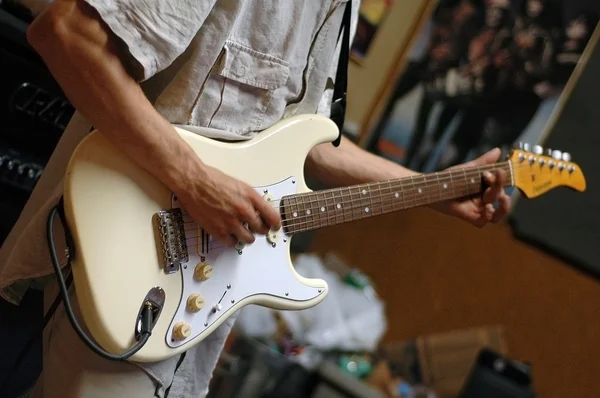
479,210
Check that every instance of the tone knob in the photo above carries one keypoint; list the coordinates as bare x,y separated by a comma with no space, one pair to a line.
181,331
203,271
195,302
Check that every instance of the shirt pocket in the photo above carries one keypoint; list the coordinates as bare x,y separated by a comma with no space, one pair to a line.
239,89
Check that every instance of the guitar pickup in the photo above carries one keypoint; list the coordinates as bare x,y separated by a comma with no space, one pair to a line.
171,239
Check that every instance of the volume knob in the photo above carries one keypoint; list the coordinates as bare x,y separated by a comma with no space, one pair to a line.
181,331
203,271
195,302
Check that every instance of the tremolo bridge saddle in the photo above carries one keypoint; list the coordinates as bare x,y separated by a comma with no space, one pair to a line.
171,236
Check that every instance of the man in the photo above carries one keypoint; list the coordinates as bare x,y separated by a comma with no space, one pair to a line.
233,66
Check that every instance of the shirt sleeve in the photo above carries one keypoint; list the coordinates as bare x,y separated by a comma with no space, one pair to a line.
155,32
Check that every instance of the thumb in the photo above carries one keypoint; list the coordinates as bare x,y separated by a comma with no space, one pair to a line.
489,157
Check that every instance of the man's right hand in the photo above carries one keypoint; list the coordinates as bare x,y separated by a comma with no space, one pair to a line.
90,64
227,208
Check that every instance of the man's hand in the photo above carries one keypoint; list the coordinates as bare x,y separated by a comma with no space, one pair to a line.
479,210
227,208
81,51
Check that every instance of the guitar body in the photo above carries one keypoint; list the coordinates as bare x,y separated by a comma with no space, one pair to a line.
111,205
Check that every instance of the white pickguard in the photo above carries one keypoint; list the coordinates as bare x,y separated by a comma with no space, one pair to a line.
259,269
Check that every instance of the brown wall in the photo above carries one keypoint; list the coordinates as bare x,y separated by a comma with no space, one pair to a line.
438,274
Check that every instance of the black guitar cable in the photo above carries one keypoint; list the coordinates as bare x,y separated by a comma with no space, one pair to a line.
147,316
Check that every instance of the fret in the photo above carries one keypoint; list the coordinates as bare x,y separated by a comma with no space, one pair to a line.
466,187
378,205
439,185
328,211
335,202
357,203
303,217
322,209
393,197
335,212
291,213
347,204
419,191
366,201
370,210
311,212
452,184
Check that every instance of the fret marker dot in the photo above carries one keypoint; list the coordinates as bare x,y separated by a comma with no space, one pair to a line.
323,208
339,206
396,195
420,190
366,209
295,214
472,180
364,191
307,211
445,186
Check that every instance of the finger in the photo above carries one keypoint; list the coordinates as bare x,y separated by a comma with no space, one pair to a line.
492,193
227,240
268,213
489,212
503,208
257,225
243,234
489,157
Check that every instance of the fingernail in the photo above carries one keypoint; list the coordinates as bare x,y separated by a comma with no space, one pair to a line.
487,174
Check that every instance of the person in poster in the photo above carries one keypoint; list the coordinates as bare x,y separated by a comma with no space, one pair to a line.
490,76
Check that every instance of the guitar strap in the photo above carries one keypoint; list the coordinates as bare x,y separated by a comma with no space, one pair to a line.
338,104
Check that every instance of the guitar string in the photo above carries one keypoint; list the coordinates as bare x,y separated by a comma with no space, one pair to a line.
384,200
195,239
361,189
379,200
358,190
387,185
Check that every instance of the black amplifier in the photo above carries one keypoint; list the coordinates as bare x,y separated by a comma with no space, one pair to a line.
33,114
33,109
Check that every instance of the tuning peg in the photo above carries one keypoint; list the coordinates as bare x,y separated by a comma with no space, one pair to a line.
548,151
526,147
538,150
556,154
566,157
518,145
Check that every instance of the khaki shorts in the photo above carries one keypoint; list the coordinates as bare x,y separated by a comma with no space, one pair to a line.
72,370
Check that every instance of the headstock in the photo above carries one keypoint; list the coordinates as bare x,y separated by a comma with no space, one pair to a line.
537,170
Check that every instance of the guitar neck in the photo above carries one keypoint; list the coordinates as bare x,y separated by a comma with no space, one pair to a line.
318,209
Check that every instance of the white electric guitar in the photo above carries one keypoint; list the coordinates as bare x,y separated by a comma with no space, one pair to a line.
135,246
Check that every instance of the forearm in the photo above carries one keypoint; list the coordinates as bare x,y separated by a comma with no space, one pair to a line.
349,164
85,59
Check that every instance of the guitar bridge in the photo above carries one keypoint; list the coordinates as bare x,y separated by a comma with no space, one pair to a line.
169,224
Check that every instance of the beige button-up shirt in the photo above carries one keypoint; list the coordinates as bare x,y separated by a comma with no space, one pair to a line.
233,66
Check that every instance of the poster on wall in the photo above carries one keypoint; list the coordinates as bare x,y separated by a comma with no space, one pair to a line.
371,15
482,73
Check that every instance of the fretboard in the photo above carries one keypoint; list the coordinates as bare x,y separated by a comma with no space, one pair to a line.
309,211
